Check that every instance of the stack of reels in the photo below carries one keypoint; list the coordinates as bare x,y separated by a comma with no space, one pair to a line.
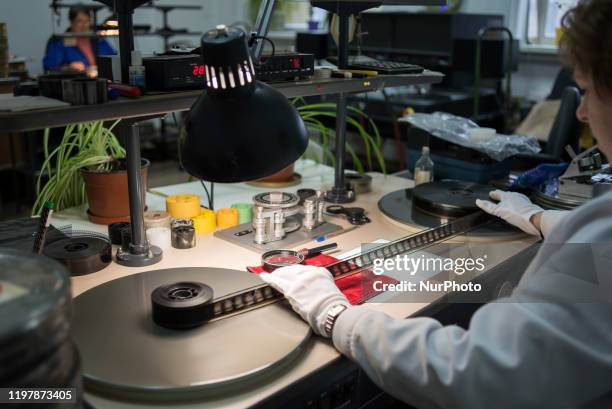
36,348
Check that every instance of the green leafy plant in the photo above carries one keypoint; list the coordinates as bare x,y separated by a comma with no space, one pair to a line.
86,146
314,115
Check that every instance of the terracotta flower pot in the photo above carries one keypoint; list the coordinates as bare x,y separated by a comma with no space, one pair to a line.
107,194
283,175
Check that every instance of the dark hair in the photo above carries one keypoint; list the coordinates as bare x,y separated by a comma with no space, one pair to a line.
75,11
587,41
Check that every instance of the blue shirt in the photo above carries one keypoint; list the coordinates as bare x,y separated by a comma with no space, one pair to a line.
59,54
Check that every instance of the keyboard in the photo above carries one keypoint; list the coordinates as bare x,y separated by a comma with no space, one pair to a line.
362,62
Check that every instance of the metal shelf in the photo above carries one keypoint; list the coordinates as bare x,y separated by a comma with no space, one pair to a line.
150,105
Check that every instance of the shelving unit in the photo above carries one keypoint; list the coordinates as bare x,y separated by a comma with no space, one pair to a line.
160,104
167,32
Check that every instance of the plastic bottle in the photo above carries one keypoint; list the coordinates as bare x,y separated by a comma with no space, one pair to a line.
424,168
137,71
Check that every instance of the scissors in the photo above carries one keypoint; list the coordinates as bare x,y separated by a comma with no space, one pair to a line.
354,215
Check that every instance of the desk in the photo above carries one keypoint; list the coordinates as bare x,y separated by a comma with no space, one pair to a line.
214,252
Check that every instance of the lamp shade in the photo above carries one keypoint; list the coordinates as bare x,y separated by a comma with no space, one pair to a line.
239,129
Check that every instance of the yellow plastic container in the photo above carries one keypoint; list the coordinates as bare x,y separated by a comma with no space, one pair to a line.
227,218
183,206
205,222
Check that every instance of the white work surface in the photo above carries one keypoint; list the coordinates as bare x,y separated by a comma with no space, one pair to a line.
211,251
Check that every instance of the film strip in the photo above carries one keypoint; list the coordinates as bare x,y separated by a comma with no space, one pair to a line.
259,296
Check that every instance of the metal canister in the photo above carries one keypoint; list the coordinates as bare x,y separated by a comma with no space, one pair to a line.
310,213
183,236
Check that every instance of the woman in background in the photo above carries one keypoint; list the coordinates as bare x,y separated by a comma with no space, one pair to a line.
76,53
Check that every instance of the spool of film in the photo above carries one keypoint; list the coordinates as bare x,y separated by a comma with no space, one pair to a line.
183,237
227,218
159,236
183,206
205,222
156,219
245,212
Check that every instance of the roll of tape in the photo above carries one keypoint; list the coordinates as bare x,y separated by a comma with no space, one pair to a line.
156,219
245,212
159,236
183,206
205,222
227,217
183,237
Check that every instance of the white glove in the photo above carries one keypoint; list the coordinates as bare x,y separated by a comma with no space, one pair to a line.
311,291
515,208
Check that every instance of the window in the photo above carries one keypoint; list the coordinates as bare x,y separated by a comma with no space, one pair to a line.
543,19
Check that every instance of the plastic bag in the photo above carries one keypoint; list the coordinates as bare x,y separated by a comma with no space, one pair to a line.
455,129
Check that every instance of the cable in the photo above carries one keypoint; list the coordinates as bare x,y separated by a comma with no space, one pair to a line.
210,195
253,38
207,194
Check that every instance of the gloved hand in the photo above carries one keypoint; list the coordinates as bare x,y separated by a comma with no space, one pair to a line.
311,291
515,208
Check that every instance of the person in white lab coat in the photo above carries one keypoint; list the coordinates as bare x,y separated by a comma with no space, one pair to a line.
547,346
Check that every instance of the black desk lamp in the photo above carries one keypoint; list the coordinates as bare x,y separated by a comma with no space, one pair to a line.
239,129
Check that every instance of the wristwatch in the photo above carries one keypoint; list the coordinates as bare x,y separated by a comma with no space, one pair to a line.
332,315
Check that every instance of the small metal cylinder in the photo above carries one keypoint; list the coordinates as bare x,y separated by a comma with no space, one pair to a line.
181,223
259,225
279,221
310,213
320,206
183,237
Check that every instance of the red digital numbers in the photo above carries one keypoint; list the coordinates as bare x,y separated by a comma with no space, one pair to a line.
198,70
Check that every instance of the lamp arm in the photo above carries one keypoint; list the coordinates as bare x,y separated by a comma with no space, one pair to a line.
262,26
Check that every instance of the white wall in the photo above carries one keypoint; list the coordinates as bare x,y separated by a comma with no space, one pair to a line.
30,23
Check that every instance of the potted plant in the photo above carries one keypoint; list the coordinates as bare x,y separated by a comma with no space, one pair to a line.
89,166
314,116
356,120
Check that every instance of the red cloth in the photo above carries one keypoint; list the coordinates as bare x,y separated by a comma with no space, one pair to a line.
357,288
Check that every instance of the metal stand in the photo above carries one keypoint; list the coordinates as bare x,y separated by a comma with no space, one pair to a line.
125,12
262,24
344,9
140,252
340,193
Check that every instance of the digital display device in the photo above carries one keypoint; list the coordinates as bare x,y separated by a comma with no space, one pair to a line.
174,72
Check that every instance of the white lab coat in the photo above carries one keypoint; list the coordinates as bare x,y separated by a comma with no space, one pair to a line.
548,346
